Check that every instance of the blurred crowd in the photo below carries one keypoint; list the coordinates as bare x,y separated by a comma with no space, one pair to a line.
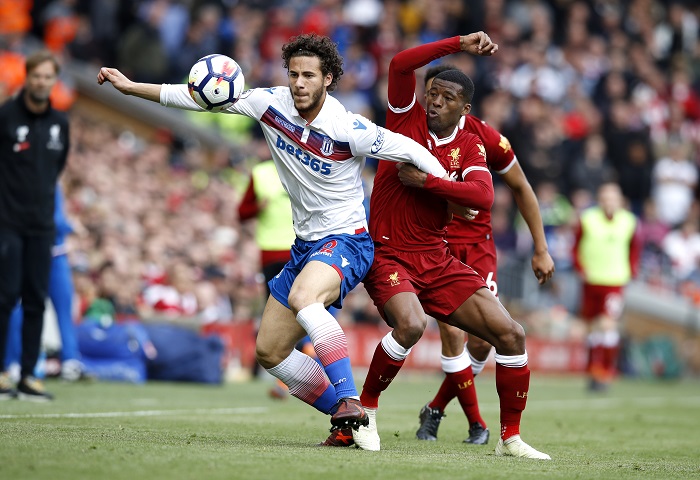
587,91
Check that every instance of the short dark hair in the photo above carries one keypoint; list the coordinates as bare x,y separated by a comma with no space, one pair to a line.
39,57
433,72
460,78
312,45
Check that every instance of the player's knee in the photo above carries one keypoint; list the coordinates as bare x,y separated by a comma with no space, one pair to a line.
267,356
409,330
264,357
453,343
511,340
299,298
478,348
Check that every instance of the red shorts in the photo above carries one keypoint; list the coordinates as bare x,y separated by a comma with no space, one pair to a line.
601,300
481,257
441,282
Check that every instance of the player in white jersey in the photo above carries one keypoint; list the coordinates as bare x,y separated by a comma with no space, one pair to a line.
319,150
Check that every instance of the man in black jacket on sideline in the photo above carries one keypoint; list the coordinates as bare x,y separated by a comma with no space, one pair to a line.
34,144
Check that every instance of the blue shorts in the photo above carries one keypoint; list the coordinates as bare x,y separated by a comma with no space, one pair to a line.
350,255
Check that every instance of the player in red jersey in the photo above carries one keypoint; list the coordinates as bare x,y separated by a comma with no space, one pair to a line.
472,243
413,272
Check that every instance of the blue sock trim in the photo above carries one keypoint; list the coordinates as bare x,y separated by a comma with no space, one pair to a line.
340,375
325,402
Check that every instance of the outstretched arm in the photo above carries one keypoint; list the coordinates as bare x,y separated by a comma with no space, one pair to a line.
149,91
542,263
175,96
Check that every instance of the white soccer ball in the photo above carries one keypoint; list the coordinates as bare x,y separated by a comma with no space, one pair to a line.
215,83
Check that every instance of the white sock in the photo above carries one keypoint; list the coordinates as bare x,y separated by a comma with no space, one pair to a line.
477,365
326,335
393,348
511,360
611,338
455,364
302,374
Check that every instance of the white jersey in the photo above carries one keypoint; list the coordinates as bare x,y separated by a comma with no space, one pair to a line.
319,163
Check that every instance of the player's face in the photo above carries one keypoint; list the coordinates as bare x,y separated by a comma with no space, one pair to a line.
40,81
610,198
308,84
445,106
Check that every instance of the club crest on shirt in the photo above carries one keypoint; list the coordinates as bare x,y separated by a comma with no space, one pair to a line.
454,158
504,144
55,138
327,146
22,143
394,279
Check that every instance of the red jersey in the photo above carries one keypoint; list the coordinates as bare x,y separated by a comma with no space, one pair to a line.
414,218
500,158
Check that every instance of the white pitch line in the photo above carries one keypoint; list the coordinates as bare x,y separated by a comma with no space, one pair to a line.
591,403
143,413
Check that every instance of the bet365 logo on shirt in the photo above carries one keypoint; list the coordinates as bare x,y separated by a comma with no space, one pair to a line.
304,158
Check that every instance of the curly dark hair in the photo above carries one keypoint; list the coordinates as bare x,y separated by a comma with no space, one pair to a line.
433,72
312,45
461,79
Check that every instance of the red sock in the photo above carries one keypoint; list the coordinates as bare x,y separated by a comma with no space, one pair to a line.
466,394
609,360
447,391
381,373
595,357
596,362
512,384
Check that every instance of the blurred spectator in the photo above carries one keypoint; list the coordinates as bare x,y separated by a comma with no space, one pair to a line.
213,297
141,52
200,40
174,299
682,245
674,180
652,232
590,170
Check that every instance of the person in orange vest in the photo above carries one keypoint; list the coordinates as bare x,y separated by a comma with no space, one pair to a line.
606,253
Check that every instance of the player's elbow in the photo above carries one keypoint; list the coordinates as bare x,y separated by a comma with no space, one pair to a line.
395,64
484,201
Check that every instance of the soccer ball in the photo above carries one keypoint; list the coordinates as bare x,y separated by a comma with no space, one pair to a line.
215,82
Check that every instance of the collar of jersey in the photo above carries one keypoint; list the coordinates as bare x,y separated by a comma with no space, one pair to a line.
444,141
322,114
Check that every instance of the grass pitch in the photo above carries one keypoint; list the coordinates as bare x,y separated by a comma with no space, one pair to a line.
184,431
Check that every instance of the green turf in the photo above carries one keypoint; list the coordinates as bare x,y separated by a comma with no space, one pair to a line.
184,431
